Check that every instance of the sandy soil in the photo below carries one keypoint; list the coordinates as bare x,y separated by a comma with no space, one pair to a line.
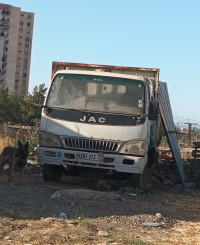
159,215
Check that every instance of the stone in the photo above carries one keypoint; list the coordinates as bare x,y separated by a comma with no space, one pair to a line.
56,194
103,233
189,185
158,215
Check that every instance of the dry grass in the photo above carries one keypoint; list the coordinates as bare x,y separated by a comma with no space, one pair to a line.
54,232
6,141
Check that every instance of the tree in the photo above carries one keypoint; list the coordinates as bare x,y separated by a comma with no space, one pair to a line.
17,110
3,103
35,102
38,95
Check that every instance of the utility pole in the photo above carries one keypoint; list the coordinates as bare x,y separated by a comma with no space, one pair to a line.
190,132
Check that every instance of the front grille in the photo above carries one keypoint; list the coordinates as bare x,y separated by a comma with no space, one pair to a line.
91,145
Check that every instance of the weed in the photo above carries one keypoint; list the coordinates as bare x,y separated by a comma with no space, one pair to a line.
84,222
57,238
192,171
1,235
9,213
127,239
5,141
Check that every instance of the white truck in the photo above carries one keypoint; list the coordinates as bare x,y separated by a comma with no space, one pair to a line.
99,119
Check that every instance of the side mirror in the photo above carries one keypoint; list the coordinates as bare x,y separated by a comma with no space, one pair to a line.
153,110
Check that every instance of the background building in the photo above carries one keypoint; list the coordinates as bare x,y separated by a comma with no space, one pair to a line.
16,31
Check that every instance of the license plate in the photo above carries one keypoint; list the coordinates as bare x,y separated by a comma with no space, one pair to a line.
86,156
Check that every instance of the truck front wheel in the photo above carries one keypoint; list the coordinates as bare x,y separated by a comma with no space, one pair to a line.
52,172
141,180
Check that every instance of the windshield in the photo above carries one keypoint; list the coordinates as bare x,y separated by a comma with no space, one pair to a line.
97,94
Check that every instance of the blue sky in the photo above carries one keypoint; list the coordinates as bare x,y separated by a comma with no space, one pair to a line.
141,33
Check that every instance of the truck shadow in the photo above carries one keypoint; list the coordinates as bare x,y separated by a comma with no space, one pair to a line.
34,200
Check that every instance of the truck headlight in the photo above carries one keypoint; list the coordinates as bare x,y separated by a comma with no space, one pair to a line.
138,148
48,139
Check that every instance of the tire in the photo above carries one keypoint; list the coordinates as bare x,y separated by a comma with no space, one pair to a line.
146,176
148,170
136,180
52,172
57,172
141,180
152,157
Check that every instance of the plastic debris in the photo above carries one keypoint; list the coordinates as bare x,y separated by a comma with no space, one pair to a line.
149,224
6,166
132,194
32,162
62,217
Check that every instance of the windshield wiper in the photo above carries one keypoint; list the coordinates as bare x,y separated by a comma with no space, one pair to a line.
50,108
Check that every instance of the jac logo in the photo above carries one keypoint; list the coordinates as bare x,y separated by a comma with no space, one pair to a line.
93,119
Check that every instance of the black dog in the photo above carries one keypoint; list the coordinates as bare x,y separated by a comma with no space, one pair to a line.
15,157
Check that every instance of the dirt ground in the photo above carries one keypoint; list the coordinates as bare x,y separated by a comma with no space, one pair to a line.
29,214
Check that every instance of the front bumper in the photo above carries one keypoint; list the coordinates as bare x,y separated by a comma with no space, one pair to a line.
119,163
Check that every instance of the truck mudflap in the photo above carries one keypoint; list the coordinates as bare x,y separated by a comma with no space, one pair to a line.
119,163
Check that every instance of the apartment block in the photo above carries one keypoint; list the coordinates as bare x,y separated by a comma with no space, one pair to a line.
16,32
